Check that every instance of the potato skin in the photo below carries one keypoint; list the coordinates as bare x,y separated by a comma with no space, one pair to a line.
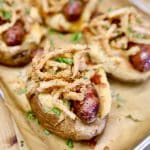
16,60
75,130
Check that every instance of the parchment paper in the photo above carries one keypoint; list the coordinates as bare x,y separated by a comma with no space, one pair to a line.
129,120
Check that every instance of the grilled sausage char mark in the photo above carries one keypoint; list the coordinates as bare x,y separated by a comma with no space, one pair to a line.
14,35
73,10
87,109
141,61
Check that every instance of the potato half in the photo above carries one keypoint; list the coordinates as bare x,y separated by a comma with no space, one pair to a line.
49,95
78,12
20,32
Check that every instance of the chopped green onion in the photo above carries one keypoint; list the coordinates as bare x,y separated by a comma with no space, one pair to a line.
22,91
76,37
56,110
30,115
132,118
6,14
27,11
138,20
130,29
51,31
138,35
110,9
69,143
64,60
47,132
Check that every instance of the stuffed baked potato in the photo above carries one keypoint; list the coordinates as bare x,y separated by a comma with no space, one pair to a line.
68,93
121,43
20,32
67,15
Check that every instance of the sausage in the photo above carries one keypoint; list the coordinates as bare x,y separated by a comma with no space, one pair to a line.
141,61
87,109
96,79
73,10
14,35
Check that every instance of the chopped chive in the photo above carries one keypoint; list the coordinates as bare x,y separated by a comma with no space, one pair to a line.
76,37
27,11
22,91
6,15
69,143
51,31
138,35
138,20
47,132
110,9
30,115
56,110
64,60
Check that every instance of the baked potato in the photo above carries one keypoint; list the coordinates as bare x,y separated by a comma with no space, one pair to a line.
20,32
68,93
120,41
67,15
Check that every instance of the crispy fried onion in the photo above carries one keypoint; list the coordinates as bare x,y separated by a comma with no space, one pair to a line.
64,74
117,28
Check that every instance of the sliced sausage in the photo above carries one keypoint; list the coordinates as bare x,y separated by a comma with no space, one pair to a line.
87,109
96,79
73,10
14,35
141,61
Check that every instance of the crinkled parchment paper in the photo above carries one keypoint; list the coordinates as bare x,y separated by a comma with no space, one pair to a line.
129,120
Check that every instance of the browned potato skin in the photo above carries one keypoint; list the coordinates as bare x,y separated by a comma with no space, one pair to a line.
67,128
19,59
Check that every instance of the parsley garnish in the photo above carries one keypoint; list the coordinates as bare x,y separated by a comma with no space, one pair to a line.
138,35
47,132
6,14
76,37
22,91
27,11
110,9
132,118
138,20
56,110
69,143
30,115
64,60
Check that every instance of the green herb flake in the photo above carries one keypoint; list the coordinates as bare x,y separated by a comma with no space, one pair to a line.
30,115
27,11
69,143
6,15
138,20
56,110
129,29
51,31
110,9
138,35
22,91
76,37
52,43
132,118
47,132
64,60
